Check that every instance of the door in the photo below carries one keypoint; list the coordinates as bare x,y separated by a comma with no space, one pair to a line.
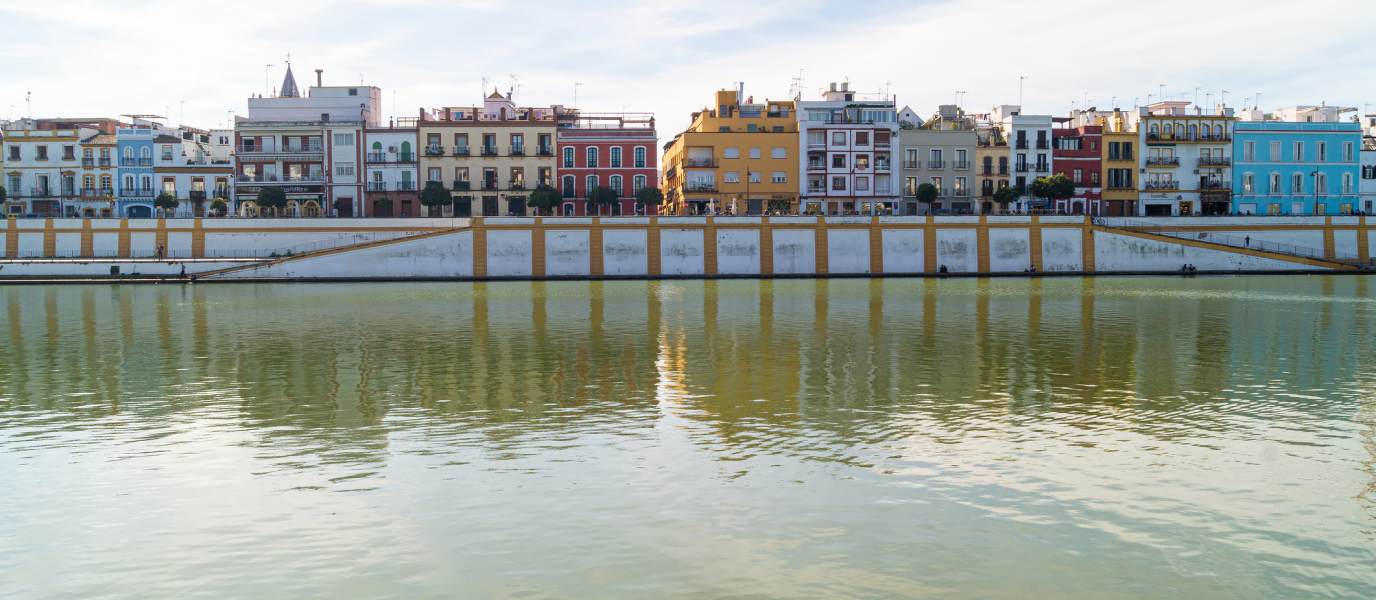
489,206
1186,208
517,205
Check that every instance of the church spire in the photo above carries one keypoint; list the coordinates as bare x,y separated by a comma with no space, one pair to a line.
289,89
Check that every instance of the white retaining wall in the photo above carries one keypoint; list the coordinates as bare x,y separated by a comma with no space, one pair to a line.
795,251
102,268
1113,252
1062,249
566,252
1009,250
508,253
449,255
682,252
957,250
624,252
738,251
903,251
848,251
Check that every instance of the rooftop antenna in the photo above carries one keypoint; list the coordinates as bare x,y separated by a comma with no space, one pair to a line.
887,85
267,77
1196,95
1223,99
1161,92
1207,97
1020,80
484,87
181,122
575,94
1114,102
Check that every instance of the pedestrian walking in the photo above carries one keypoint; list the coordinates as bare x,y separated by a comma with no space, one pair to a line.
1247,241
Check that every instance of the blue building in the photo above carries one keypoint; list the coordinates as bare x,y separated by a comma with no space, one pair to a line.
1296,168
135,150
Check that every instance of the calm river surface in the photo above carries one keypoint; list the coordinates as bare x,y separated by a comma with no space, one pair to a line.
1006,438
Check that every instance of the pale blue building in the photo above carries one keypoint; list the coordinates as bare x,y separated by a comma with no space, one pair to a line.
1296,168
135,182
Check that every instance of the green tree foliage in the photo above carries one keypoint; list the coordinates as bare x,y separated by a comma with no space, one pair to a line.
166,202
434,195
603,196
545,197
926,193
219,206
649,196
1006,195
1056,187
272,197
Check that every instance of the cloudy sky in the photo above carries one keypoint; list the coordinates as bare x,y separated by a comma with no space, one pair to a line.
201,60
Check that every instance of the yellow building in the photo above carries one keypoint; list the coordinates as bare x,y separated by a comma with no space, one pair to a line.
491,157
739,156
1120,164
991,168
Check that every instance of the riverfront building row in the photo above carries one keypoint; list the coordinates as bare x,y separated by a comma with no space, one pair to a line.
847,152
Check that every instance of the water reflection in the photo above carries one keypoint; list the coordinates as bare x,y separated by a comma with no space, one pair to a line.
1138,436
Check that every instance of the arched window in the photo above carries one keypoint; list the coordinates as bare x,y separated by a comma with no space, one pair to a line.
1167,130
406,149
1153,128
569,192
616,157
639,180
128,152
146,152
592,157
640,157
1193,132
1218,131
568,157
616,184
105,153
377,147
591,183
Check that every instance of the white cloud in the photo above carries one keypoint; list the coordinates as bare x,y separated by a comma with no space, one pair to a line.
86,58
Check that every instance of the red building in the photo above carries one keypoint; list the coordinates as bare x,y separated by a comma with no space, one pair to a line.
1078,154
615,150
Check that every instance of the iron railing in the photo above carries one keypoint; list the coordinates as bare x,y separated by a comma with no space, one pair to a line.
1213,237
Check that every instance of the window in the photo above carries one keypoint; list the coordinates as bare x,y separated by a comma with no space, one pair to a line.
732,177
1127,150
1113,150
69,152
589,184
731,153
14,152
838,138
1249,151
934,159
1093,145
1297,183
751,127
1248,183
1274,156
1079,176
1347,151
754,176
353,91
1347,183
724,129
616,158
592,157
862,161
568,186
435,174
862,184
43,153
1298,152
616,181
838,183
343,139
862,138
838,161
960,158
910,186
640,158
460,173
1321,151
518,143
778,129
344,169
1275,183
936,182
639,182
779,177
754,153
568,157
1094,178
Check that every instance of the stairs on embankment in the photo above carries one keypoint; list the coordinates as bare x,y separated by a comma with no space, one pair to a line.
1213,240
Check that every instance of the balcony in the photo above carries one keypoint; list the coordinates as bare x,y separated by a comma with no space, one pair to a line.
700,186
196,195
461,151
88,162
489,151
406,186
1163,161
303,178
167,158
1216,186
882,146
377,186
1021,144
1021,168
376,157
818,146
909,191
881,167
816,189
699,163
221,193
1042,168
962,192
136,193
1155,137
1043,145
961,165
434,150
490,186
39,192
105,162
128,162
912,164
1297,190
1216,161
545,151
1161,185
516,151
516,184
461,186
936,164
816,166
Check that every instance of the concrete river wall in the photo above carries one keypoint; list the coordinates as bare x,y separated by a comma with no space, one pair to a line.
565,247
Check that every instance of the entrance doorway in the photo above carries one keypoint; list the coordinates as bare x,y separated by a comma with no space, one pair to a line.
1077,208
489,206
1186,208
1157,210
139,212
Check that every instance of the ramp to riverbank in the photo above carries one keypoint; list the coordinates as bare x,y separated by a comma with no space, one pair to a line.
445,254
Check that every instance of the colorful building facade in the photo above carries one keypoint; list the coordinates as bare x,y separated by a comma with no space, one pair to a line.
489,157
740,156
1297,168
1187,159
1077,153
850,143
615,150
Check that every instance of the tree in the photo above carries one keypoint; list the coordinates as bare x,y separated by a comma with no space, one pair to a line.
341,205
435,195
603,196
3,194
926,194
219,206
649,196
166,202
1006,195
545,197
1056,187
271,197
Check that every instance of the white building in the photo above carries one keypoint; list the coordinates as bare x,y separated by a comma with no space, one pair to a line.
849,145
1367,187
44,167
1029,141
392,163
312,145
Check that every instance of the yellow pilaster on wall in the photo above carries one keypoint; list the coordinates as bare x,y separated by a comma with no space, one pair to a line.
124,238
479,250
652,248
49,239
537,250
11,238
823,260
198,240
1034,242
1329,250
1087,245
929,244
595,248
1363,237
767,249
161,235
876,246
709,247
88,242
982,241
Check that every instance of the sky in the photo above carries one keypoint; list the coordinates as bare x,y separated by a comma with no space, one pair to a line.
195,62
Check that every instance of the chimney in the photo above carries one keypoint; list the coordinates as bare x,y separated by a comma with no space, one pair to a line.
318,78
845,86
833,86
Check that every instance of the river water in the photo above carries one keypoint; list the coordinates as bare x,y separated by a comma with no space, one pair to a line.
999,438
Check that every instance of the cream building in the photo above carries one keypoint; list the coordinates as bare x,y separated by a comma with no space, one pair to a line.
489,157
